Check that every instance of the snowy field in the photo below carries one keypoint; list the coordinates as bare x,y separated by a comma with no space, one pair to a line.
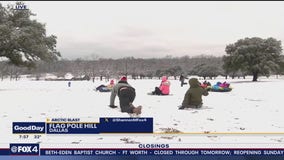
251,115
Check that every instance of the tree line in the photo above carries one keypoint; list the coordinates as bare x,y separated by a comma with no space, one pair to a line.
205,66
208,67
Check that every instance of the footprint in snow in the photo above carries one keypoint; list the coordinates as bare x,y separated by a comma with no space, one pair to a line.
276,126
127,140
176,120
76,142
210,119
278,140
167,137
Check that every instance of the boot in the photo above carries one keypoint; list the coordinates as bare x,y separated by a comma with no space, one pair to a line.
137,110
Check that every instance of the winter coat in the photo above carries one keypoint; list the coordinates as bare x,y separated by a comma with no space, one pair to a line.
115,89
181,78
165,86
193,96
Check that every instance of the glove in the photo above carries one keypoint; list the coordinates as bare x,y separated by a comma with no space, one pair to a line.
112,106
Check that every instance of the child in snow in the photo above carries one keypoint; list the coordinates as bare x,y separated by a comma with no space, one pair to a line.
111,84
126,94
164,88
106,88
205,85
193,96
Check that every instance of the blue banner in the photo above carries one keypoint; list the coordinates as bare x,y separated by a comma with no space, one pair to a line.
72,128
28,127
126,125
163,152
141,158
106,125
4,151
167,154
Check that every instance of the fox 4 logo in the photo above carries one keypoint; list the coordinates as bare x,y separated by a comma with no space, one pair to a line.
24,149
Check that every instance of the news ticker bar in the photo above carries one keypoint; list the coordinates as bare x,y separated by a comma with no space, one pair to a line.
105,125
35,150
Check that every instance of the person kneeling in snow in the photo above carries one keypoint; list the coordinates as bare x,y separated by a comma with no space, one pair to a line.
164,88
193,96
126,94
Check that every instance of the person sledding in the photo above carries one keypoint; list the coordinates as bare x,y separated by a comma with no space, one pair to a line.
126,94
224,85
164,88
193,96
106,88
221,87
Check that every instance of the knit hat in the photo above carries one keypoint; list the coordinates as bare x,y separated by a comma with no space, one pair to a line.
123,78
112,82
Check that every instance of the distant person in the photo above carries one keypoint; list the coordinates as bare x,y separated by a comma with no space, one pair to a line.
106,88
181,79
69,84
126,94
193,96
164,88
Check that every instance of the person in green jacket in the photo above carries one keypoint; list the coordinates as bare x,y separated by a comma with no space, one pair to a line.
193,96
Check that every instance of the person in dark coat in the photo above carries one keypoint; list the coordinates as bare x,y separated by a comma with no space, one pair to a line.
181,79
126,94
69,84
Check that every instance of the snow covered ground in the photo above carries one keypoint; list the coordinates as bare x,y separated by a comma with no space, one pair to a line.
251,115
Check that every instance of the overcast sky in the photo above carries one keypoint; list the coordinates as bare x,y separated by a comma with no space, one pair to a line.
155,29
